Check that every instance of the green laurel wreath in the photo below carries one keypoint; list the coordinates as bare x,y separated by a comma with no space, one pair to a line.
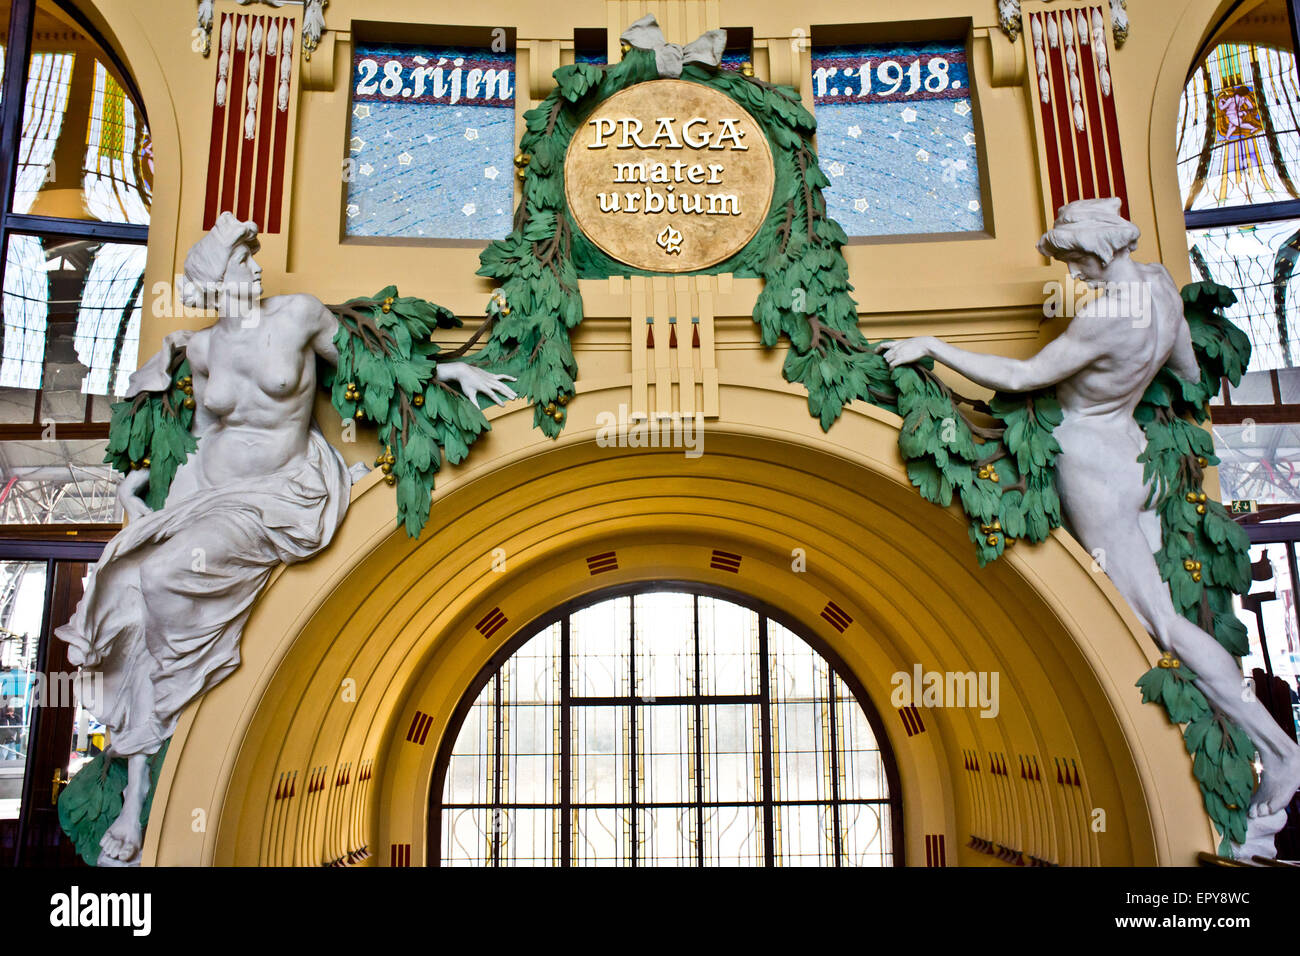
154,430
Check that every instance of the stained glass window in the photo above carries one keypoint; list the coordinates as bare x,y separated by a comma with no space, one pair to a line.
1238,141
431,144
896,136
665,728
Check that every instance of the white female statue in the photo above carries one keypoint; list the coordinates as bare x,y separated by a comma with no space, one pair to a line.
1101,365
165,606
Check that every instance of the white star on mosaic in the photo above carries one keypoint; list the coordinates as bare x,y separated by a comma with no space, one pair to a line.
973,206
357,144
836,169
405,159
366,169
353,210
908,115
962,108
468,209
860,205
969,139
361,111
854,131
922,156
491,172
471,133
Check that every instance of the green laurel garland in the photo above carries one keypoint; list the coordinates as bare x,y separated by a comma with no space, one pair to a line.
154,430
1205,556
386,374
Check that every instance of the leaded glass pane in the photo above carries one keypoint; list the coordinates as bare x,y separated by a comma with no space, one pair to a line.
666,836
729,654
600,661
665,644
666,754
1258,263
601,763
733,836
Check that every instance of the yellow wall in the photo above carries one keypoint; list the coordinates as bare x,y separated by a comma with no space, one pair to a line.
397,616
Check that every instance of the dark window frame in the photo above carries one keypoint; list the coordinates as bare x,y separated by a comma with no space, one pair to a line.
765,802
44,722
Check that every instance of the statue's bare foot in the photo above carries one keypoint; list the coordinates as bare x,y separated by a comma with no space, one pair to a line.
123,839
1260,837
1280,781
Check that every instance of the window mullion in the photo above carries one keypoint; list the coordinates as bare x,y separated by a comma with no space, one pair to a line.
765,718
837,842
566,731
18,52
632,749
699,735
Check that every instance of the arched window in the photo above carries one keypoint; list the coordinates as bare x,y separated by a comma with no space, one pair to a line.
76,187
664,728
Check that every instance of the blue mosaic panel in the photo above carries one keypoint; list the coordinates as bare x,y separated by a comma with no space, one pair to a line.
896,137
432,143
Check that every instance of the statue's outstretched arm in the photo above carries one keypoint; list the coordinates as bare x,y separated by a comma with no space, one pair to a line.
1058,360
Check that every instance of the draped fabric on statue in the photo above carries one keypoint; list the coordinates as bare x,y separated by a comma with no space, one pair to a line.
213,548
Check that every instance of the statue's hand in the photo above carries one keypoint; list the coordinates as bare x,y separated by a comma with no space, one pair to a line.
907,351
128,494
77,659
472,381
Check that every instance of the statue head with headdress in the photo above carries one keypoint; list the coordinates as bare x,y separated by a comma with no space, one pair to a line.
221,264
1088,235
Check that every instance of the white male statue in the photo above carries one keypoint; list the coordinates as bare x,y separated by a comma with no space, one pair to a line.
165,607
1101,365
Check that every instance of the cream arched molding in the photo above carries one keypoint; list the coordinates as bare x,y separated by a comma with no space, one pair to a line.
397,617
